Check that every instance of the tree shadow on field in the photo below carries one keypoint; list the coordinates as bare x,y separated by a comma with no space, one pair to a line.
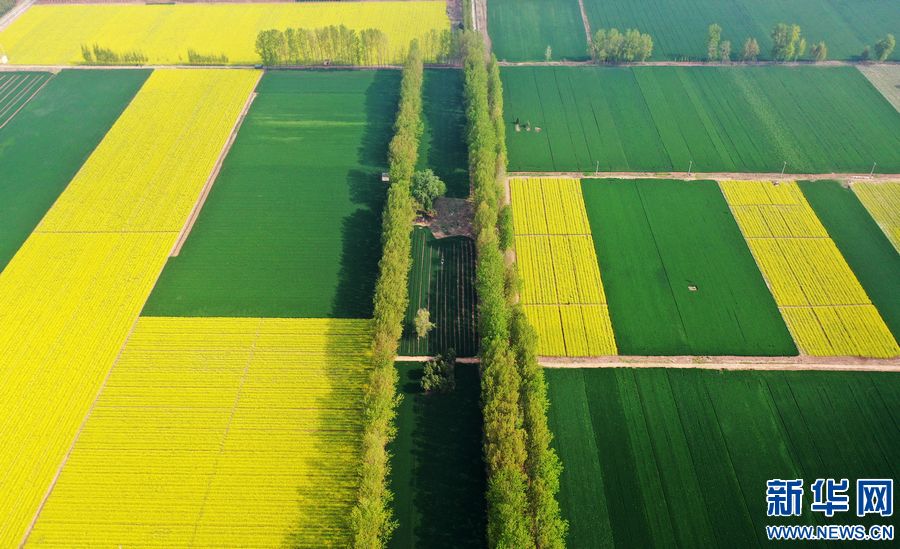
447,467
361,230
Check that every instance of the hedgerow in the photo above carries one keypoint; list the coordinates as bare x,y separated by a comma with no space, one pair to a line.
371,520
523,470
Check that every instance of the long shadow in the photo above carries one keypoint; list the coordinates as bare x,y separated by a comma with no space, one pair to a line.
443,147
444,501
360,231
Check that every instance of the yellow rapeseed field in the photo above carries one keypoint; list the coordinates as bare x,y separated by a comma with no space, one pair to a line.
883,202
562,291
825,307
73,291
54,34
218,432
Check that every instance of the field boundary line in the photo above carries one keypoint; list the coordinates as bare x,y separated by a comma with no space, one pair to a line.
587,24
210,181
718,176
14,14
84,421
797,363
831,63
22,106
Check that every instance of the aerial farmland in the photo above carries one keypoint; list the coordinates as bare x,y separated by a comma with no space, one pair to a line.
462,273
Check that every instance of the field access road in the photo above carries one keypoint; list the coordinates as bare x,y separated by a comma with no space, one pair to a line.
836,63
717,176
803,362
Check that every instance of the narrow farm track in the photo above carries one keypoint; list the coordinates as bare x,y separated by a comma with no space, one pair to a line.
691,64
731,176
849,364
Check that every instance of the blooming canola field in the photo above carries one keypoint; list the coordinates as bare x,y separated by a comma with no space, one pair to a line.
55,34
823,304
219,432
562,291
70,296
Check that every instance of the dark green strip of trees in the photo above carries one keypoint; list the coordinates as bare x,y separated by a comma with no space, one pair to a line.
523,470
340,45
371,520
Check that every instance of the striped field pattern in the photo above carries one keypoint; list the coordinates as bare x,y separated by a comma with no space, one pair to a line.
826,309
562,291
72,293
219,432
882,200
16,88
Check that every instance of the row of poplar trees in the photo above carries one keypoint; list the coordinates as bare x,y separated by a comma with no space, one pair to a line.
522,468
371,520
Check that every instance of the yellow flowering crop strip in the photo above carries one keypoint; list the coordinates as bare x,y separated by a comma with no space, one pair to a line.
562,291
219,432
882,200
823,304
73,291
54,34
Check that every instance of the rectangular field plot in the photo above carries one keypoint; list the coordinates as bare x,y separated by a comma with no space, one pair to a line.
442,280
874,261
442,146
291,226
521,30
55,34
70,296
824,305
679,28
886,78
678,276
437,471
883,203
69,117
562,291
16,89
709,119
680,457
219,433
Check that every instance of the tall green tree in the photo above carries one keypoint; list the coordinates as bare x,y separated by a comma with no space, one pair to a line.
819,51
725,51
750,52
714,35
885,47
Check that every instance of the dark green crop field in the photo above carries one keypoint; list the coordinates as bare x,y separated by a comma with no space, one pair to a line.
521,30
437,473
679,28
678,276
733,119
680,457
45,144
291,227
443,144
865,247
442,280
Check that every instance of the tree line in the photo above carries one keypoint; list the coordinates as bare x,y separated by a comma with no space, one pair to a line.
372,520
340,45
612,46
522,469
788,44
98,55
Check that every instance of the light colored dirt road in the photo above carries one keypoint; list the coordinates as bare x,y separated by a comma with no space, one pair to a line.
718,176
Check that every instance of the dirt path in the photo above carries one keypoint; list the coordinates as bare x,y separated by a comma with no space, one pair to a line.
854,364
587,24
207,187
690,63
14,13
718,176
